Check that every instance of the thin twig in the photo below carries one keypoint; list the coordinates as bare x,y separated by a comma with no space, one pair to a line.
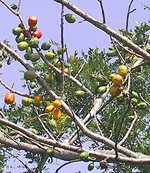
103,13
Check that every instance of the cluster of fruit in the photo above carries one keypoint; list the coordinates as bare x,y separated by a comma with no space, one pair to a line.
118,80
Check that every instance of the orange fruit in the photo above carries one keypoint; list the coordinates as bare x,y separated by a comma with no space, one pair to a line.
37,99
49,108
9,98
117,79
114,90
57,103
57,114
32,21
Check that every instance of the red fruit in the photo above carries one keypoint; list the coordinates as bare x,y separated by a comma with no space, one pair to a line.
32,21
9,98
37,33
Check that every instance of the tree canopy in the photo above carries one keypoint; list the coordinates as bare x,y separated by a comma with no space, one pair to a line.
91,107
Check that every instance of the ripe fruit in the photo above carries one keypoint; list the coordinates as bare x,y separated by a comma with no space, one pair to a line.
28,75
90,166
32,21
34,57
70,18
117,79
80,93
26,101
102,89
123,70
22,45
37,33
37,99
57,114
50,55
45,46
49,108
114,90
17,31
9,98
84,155
34,42
57,103
66,70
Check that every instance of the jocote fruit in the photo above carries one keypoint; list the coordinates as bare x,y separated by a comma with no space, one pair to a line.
28,75
9,98
123,70
70,18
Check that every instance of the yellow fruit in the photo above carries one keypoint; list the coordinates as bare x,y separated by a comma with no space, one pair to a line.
57,103
66,70
49,108
37,99
57,114
123,70
117,79
114,90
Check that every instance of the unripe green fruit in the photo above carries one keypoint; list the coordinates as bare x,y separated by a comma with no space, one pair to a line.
61,50
34,57
142,105
17,31
34,42
32,85
1,64
12,133
45,46
84,155
111,53
20,37
80,93
135,94
50,151
134,101
26,101
28,75
35,131
13,6
50,55
102,89
22,45
70,18
90,166
49,77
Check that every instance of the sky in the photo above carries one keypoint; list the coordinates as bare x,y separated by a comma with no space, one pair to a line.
78,36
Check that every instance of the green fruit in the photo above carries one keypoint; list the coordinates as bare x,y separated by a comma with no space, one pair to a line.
29,50
111,53
84,155
12,133
26,101
22,45
100,78
35,131
20,25
34,57
13,6
1,64
80,93
134,101
61,50
142,105
45,46
34,42
20,37
50,55
17,31
102,89
50,151
135,94
90,166
70,18
32,85
49,77
28,75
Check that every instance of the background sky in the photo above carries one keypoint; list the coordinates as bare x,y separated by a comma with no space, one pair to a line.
78,37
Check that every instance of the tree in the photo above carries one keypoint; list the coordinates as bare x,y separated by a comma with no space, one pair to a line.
100,98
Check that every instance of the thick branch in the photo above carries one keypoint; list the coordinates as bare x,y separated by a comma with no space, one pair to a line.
105,28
